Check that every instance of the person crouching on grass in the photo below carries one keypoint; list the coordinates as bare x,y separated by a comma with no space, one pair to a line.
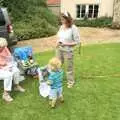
55,81
9,71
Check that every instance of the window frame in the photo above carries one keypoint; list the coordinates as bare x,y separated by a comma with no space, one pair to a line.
87,11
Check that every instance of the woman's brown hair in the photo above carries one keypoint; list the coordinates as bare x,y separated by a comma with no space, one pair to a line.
68,18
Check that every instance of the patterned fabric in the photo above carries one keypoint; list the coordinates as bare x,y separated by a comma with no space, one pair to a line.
56,79
33,71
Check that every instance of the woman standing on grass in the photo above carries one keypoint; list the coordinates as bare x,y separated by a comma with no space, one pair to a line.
68,37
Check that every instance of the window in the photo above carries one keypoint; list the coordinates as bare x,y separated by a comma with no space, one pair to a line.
81,10
90,11
78,11
2,19
96,7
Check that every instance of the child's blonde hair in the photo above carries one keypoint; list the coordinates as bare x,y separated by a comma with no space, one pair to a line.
55,64
3,42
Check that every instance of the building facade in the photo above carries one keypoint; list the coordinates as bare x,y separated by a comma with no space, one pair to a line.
80,9
54,6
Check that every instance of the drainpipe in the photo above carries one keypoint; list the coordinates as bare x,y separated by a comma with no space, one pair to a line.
99,11
113,9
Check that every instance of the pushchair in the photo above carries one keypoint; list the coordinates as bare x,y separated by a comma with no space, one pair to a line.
26,62
28,66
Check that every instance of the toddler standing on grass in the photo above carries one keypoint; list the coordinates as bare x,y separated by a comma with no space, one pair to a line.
55,81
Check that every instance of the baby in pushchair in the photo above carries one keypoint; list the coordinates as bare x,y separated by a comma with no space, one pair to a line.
26,61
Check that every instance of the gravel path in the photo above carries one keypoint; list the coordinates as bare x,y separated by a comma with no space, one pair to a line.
88,36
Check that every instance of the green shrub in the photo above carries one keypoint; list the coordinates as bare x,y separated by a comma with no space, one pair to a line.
31,18
99,22
26,31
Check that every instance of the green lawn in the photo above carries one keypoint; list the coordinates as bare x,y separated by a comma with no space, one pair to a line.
96,95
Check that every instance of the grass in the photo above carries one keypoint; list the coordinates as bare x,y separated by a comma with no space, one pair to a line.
96,95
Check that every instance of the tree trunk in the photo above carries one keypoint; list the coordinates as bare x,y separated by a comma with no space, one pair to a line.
116,14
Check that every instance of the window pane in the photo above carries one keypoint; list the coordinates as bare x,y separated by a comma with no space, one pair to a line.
96,7
78,11
90,7
83,11
90,14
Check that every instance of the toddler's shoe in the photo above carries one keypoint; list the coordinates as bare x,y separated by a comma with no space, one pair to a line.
53,103
61,99
7,97
69,85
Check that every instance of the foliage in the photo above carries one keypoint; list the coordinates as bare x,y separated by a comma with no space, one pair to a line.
99,22
31,18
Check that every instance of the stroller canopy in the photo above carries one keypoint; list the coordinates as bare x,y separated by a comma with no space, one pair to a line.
22,53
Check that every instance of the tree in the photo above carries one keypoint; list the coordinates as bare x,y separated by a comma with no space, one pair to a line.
116,14
1,2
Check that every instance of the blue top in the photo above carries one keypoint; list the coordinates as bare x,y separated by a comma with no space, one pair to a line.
56,79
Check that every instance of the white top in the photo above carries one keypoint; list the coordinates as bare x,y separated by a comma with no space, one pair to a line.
68,35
